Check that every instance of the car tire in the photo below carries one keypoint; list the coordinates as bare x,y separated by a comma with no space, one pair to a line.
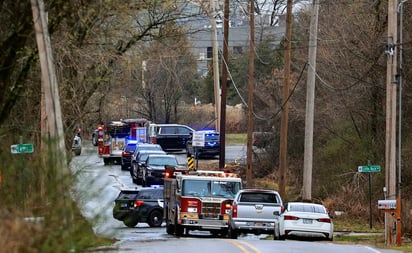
155,218
179,229
130,221
170,229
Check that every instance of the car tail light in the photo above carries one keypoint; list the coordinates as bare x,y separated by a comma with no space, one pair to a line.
138,203
226,206
326,220
191,205
290,217
167,174
282,209
125,153
234,211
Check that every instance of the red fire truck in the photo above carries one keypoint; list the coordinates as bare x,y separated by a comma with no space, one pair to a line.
198,200
114,135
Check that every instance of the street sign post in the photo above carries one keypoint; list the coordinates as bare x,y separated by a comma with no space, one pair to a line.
370,169
21,148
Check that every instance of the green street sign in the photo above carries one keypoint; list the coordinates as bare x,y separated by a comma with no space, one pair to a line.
21,148
370,168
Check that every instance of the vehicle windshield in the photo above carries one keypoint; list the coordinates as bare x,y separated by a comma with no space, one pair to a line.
149,147
260,197
143,157
162,161
210,188
306,208
130,147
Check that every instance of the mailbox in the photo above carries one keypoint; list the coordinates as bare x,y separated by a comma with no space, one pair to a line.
387,204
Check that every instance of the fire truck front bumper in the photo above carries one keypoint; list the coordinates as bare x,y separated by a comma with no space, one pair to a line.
198,222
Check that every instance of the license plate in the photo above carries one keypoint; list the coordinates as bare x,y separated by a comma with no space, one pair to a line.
307,221
258,224
124,205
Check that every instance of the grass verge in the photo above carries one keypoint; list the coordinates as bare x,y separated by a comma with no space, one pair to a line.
236,138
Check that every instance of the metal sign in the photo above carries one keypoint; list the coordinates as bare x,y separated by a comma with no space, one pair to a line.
21,148
198,139
370,168
387,204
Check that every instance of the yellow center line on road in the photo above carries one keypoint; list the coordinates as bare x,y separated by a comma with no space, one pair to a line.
242,248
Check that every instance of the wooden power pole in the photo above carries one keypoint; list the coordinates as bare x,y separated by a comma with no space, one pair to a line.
53,117
310,103
224,86
283,157
215,64
391,95
251,83
49,86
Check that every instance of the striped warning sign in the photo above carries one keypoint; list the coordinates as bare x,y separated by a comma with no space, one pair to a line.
191,162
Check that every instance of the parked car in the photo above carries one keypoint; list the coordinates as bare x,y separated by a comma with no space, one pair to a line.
305,220
127,153
255,211
210,148
141,156
95,137
172,137
142,205
154,168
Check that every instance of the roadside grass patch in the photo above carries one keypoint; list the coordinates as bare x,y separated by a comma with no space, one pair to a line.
236,138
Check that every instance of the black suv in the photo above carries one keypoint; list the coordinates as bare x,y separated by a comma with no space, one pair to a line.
210,148
136,172
172,137
142,205
153,169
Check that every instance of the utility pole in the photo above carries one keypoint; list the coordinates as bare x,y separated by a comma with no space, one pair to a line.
398,197
310,103
224,86
53,117
391,95
51,97
251,84
215,64
283,157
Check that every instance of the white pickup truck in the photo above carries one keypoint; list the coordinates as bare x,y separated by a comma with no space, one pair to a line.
255,211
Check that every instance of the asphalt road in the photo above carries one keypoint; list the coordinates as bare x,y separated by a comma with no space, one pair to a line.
97,186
